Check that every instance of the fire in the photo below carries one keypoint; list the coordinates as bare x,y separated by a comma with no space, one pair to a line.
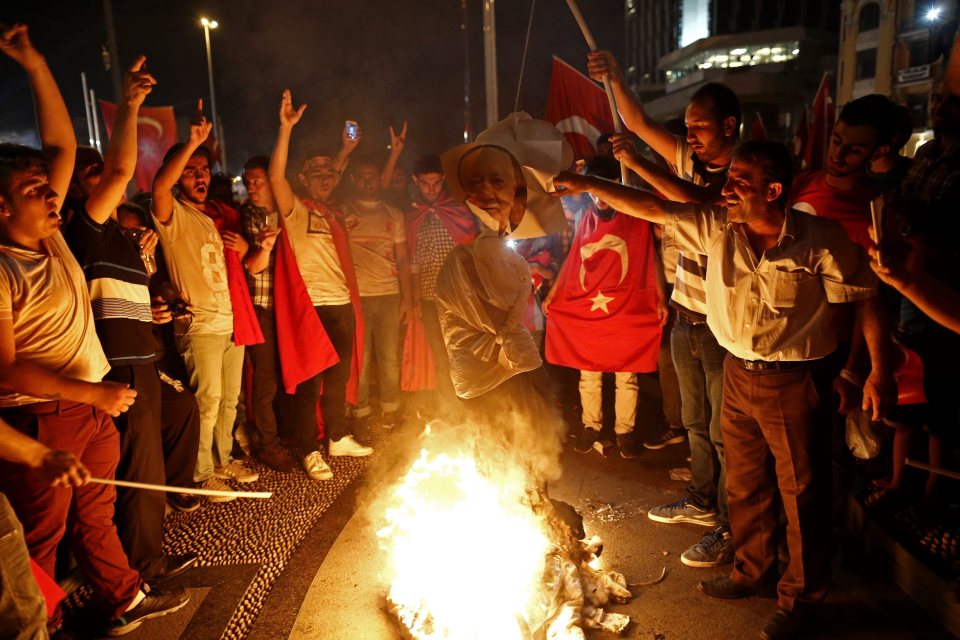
466,554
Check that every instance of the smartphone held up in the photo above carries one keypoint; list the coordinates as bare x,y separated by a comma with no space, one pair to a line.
352,129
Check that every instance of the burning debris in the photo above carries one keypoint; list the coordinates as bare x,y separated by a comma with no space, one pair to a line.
475,552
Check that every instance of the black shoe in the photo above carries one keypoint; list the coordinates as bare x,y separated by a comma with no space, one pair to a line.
627,446
156,604
781,625
724,587
184,501
584,442
170,566
673,435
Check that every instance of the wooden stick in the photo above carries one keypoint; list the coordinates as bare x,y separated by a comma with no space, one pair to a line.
611,99
937,470
193,491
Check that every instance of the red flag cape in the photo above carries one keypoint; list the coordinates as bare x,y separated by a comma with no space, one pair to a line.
578,106
156,132
821,125
417,365
246,329
758,131
341,242
604,314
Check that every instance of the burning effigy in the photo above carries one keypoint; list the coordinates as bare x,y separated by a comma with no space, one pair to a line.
476,549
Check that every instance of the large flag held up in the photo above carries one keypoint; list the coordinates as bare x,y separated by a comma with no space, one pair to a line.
578,107
606,290
821,124
156,133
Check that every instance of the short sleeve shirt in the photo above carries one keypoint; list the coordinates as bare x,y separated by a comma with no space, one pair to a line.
309,234
776,307
375,230
194,253
45,295
811,194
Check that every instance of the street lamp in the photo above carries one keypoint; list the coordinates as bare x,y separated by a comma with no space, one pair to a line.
933,14
207,26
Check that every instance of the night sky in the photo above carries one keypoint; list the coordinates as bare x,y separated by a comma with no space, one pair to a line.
377,62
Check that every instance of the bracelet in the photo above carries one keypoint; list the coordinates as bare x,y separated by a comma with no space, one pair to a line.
851,377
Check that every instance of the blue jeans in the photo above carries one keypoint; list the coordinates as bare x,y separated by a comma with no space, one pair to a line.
381,339
698,359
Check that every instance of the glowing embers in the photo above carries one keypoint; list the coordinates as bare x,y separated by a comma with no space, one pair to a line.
475,551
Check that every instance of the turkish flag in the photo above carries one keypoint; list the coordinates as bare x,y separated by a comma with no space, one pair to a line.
758,131
156,133
801,135
604,314
821,125
578,106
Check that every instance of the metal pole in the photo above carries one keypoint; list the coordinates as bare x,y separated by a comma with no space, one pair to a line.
490,60
467,115
114,53
96,122
86,107
213,96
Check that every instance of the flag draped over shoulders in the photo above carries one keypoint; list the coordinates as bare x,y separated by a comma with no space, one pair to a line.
246,329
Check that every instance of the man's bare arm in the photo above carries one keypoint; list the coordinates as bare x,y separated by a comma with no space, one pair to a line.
633,202
170,172
282,191
877,388
396,148
603,63
57,139
121,159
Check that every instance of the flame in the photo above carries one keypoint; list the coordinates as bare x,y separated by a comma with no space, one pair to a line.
466,554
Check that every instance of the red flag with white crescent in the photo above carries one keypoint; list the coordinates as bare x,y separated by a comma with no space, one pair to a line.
604,314
578,107
156,133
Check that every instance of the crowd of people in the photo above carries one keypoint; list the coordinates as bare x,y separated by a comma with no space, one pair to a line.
128,327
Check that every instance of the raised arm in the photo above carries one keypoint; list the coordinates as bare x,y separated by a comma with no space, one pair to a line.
56,130
121,158
170,172
602,63
633,202
396,148
347,146
668,184
282,191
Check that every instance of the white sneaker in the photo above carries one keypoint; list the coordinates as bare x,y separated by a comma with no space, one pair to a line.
216,484
316,467
347,446
236,471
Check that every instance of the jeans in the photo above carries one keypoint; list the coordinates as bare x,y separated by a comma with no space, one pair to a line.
215,366
381,338
667,374
698,359
23,613
591,399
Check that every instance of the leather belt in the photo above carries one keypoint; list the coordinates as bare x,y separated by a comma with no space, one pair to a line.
689,319
771,365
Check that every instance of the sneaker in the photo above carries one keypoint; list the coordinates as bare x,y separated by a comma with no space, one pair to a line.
584,442
781,625
683,511
627,446
673,435
316,467
725,588
185,502
216,484
390,419
347,446
156,604
277,458
236,471
715,548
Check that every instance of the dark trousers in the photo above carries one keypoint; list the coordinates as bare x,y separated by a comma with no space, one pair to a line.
140,513
301,408
777,436
85,513
669,385
180,430
266,379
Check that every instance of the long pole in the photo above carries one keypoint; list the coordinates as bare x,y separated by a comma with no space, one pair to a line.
96,121
213,95
611,99
467,115
86,106
490,60
112,49
193,491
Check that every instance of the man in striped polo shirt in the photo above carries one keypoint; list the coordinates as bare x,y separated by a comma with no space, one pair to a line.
700,161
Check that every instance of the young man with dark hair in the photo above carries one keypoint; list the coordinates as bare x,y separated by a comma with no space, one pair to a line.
320,243
436,223
700,161
203,249
378,244
52,364
771,307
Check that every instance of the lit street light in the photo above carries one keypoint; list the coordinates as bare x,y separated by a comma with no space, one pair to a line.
207,26
933,13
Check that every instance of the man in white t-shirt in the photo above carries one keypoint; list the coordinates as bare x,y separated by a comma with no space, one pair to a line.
194,250
378,243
